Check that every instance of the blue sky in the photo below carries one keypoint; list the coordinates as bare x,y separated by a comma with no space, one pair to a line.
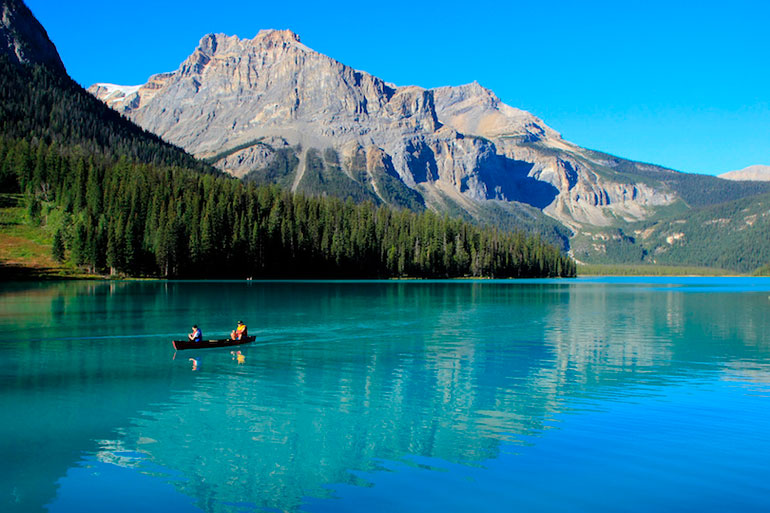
681,84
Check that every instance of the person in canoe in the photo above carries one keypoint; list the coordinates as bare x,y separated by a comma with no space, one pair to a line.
196,335
240,332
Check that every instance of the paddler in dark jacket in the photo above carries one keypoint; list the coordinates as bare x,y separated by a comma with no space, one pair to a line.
196,335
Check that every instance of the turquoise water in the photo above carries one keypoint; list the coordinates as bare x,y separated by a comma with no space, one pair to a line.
541,396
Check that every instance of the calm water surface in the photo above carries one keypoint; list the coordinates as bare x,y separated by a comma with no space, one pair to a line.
540,396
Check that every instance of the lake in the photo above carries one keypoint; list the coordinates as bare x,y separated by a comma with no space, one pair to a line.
587,395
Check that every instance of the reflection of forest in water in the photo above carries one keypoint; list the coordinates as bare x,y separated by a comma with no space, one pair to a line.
352,373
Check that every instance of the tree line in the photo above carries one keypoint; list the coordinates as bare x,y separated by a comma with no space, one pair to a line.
115,215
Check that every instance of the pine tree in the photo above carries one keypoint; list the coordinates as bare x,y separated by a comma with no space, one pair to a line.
57,248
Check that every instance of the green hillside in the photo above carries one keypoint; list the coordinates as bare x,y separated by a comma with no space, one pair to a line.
734,235
37,104
718,224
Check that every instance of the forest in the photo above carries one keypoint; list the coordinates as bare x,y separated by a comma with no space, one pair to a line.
121,217
121,201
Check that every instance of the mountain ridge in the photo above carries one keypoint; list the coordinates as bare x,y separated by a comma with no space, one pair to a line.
272,110
456,146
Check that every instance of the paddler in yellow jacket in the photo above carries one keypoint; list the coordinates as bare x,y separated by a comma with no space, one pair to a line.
240,332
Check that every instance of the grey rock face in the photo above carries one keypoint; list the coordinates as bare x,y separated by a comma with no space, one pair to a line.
756,173
23,39
457,147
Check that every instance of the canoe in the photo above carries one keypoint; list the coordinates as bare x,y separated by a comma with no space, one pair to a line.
206,344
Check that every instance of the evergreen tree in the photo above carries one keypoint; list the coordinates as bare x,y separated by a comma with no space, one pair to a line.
57,248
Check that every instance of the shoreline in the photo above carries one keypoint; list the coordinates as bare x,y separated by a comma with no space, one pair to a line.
22,274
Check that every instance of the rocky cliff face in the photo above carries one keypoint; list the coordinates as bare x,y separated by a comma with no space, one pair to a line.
23,39
243,104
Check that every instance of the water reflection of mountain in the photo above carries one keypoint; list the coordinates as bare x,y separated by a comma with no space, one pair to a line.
657,334
358,373
60,394
482,366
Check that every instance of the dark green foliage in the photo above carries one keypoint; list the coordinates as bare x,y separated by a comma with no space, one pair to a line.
144,220
383,177
613,246
395,192
733,235
33,209
331,156
648,270
57,248
9,180
37,104
509,215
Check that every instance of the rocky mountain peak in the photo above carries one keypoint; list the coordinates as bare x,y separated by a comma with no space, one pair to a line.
222,44
474,90
23,39
208,43
273,36
474,109
227,53
246,104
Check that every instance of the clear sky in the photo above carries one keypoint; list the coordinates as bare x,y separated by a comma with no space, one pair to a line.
684,84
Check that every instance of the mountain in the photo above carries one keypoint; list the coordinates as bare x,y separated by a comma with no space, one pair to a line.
239,103
22,38
272,110
756,173
40,102
107,196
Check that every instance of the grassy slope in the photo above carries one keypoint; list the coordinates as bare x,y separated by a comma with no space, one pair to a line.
732,234
25,249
